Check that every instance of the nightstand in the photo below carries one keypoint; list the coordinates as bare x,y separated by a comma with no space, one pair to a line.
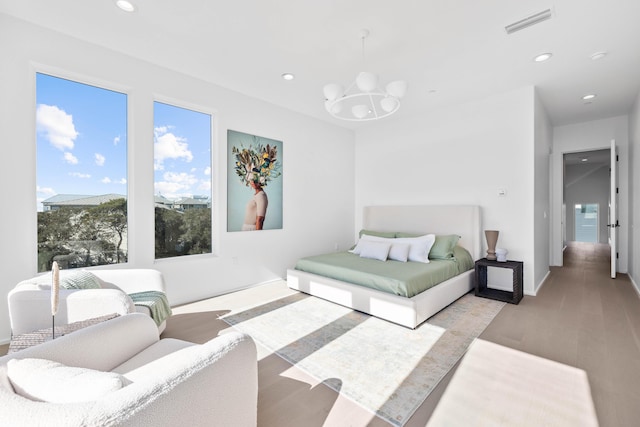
482,290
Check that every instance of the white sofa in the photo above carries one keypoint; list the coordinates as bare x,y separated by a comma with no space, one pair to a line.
173,382
30,301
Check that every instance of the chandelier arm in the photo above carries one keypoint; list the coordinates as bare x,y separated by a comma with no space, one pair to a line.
373,106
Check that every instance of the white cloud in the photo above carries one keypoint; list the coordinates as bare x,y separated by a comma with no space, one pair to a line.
70,158
106,180
80,175
169,146
207,171
99,159
116,140
56,125
175,185
205,185
122,181
48,191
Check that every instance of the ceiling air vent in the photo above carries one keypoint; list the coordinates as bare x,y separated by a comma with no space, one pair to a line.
528,21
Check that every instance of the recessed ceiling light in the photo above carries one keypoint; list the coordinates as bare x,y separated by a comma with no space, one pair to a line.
589,97
288,76
125,5
543,57
598,55
584,159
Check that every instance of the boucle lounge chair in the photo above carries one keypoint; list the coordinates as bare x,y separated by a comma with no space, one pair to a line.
107,291
119,373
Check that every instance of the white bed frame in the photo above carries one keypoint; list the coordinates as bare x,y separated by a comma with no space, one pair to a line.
464,221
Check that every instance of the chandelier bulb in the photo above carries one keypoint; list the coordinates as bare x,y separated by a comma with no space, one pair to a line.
360,111
367,82
333,91
389,104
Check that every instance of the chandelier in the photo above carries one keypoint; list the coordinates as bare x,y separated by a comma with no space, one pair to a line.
363,99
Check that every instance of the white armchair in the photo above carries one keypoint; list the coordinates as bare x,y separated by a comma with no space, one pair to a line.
167,382
30,301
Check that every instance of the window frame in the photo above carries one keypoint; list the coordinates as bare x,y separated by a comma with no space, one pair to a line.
213,177
65,74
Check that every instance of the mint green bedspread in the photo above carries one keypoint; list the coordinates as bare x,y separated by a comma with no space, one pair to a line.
406,279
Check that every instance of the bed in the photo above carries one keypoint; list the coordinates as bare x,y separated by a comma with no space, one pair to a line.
465,221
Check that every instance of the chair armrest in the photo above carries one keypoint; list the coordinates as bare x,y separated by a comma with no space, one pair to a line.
102,346
170,390
30,310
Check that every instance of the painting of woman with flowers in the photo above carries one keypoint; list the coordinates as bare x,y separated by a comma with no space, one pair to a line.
254,162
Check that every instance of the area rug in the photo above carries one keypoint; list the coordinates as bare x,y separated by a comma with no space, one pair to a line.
386,368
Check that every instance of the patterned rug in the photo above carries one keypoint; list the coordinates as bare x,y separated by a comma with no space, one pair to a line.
388,369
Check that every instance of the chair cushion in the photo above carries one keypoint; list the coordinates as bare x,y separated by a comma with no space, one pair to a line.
49,381
78,279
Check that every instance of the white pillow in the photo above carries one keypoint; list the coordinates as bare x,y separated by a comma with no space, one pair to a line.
49,381
375,250
420,246
367,238
418,250
399,251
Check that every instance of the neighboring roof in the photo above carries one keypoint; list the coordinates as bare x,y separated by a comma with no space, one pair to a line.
81,200
161,200
191,201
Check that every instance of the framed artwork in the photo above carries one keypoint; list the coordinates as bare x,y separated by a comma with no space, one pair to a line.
254,182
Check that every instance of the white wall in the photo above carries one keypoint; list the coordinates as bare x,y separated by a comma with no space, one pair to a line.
593,135
458,155
543,134
634,193
318,171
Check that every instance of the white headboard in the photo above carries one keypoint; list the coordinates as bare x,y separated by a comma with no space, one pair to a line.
464,221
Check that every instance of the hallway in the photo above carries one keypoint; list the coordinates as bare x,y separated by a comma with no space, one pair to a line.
583,318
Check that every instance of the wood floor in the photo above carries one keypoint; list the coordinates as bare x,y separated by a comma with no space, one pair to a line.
580,317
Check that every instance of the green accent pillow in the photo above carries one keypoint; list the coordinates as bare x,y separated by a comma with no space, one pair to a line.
443,247
464,258
78,279
387,234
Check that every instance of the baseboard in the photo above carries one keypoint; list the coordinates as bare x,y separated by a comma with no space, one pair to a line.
540,285
635,285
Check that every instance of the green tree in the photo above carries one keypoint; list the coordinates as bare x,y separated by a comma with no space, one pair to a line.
110,219
197,231
169,230
54,235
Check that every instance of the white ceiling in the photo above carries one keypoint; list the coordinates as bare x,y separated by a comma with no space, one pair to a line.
449,51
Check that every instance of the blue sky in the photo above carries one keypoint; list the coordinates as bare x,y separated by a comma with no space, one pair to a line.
82,143
182,147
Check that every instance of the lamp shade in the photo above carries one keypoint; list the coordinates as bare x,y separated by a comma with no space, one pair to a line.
333,107
367,82
389,104
333,91
360,111
397,88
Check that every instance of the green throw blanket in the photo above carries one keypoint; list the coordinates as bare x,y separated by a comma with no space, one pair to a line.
156,302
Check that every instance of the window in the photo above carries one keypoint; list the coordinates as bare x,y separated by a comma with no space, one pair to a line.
182,181
586,219
81,174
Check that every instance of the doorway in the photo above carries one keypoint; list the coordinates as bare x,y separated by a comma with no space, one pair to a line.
586,188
